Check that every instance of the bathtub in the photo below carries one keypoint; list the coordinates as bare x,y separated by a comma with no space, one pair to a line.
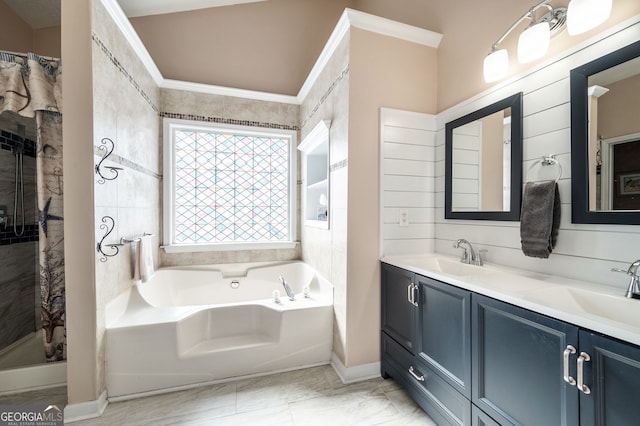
203,324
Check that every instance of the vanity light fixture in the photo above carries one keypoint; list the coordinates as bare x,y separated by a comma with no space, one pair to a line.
533,43
583,15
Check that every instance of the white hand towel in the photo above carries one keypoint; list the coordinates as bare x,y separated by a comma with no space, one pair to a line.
146,258
135,259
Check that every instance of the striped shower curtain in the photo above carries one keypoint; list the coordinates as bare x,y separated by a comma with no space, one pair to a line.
31,87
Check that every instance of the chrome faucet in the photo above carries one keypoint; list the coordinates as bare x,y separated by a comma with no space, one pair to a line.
287,288
633,291
471,255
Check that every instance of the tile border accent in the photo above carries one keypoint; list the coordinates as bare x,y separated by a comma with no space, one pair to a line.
124,71
220,120
339,165
118,159
326,94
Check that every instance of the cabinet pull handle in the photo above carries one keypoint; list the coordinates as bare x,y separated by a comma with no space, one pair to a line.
414,298
581,359
570,350
413,373
410,293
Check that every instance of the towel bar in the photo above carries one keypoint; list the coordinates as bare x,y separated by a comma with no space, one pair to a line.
548,160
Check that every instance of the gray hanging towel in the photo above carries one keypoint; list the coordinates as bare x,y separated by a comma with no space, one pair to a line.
540,218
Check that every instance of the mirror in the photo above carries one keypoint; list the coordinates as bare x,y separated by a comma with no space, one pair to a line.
605,139
483,163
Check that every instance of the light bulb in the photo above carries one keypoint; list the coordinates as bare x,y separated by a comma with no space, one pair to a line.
583,15
496,65
534,42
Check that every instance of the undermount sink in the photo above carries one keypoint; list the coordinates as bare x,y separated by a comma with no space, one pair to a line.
612,307
457,268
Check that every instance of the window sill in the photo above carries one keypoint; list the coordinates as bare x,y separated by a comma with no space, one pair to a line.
191,248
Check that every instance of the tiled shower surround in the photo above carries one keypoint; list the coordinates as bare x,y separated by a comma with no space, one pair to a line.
18,254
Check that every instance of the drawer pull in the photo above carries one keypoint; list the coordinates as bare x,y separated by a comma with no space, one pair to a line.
581,359
570,350
413,373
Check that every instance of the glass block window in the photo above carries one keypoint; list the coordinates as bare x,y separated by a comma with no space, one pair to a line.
229,184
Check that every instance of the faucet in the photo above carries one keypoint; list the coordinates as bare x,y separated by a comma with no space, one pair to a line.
475,257
633,291
287,288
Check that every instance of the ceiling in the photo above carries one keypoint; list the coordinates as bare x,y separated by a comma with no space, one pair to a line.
46,13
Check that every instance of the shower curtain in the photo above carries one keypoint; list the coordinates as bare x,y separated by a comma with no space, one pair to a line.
31,87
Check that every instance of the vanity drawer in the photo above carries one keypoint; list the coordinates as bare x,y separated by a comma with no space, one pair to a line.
443,403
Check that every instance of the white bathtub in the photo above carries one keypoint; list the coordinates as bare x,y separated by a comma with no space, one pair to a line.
203,324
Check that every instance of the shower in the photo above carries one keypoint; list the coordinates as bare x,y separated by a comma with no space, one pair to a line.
20,341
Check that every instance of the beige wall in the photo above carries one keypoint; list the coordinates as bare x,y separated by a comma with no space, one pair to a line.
247,46
303,26
17,36
77,129
384,72
46,41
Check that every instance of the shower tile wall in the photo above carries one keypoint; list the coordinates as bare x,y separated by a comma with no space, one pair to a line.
19,297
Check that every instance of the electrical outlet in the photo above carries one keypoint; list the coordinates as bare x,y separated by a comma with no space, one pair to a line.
404,217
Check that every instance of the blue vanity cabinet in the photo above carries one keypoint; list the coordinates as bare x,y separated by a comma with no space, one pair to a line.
612,380
399,314
425,343
444,332
518,366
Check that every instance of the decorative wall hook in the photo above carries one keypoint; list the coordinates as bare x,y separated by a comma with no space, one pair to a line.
107,225
107,152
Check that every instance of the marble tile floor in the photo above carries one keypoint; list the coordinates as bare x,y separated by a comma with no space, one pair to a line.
313,396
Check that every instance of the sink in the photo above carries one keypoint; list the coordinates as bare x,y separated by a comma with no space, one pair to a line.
457,268
608,306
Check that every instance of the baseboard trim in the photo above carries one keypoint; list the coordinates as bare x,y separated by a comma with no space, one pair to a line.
43,376
86,410
356,373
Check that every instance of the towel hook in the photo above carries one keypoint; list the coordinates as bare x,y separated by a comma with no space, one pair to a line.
548,160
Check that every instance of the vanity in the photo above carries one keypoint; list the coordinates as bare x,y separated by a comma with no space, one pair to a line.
489,345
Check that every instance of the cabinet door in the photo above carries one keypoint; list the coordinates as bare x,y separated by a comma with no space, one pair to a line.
518,365
398,313
444,332
612,375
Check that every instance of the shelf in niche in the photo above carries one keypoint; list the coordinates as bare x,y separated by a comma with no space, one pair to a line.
315,169
320,184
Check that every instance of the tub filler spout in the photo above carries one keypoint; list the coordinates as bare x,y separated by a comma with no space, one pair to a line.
287,288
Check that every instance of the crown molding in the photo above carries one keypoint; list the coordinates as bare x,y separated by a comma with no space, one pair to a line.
227,91
122,22
353,18
349,18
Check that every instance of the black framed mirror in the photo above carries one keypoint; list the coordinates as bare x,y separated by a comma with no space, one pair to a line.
605,139
483,163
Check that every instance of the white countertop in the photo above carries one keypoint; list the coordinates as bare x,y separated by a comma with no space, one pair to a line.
591,306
